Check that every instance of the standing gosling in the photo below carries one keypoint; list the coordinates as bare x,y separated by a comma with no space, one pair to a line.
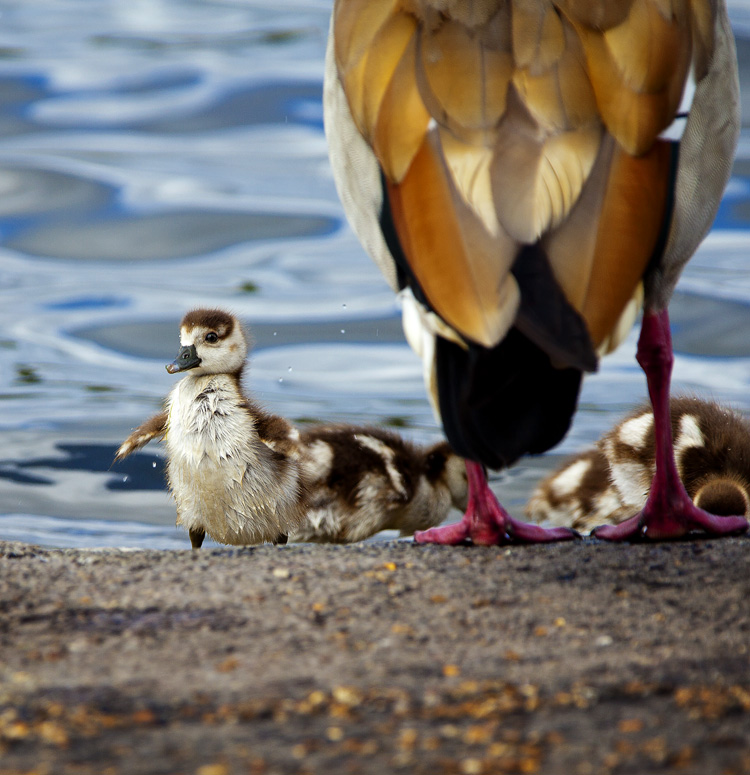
231,467
608,484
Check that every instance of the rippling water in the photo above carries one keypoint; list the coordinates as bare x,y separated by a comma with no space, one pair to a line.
161,154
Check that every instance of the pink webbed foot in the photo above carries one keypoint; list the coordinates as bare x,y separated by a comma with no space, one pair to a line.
650,525
669,512
487,523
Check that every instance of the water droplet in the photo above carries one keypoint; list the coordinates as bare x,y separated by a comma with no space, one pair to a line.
343,330
274,333
281,379
153,465
344,306
125,478
290,368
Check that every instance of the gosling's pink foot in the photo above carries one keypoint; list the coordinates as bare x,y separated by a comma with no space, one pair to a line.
487,523
669,512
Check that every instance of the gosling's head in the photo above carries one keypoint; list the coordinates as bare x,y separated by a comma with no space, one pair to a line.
213,342
444,465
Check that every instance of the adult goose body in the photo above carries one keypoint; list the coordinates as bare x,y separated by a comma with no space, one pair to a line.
528,175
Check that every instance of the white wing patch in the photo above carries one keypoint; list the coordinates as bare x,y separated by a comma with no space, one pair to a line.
689,435
632,480
570,478
386,453
635,432
317,460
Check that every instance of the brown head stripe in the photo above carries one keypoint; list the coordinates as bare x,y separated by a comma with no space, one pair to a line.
215,319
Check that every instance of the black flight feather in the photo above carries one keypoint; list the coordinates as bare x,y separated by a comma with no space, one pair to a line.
501,403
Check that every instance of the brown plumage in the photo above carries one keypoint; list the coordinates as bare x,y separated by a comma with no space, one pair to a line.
608,484
361,480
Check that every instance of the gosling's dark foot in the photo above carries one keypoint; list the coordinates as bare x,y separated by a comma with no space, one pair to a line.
196,537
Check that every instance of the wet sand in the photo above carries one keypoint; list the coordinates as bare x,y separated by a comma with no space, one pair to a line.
377,658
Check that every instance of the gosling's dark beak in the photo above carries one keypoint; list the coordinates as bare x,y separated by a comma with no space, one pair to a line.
186,359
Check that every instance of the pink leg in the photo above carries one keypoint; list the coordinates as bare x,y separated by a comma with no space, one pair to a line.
487,523
669,512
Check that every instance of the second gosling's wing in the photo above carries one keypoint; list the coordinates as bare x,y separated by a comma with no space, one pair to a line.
275,431
363,480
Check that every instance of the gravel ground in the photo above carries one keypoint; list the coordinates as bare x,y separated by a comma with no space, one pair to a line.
377,658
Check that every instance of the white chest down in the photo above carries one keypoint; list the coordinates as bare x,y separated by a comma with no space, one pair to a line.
223,478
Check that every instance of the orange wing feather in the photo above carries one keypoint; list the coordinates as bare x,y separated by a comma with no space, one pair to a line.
638,71
462,270
631,221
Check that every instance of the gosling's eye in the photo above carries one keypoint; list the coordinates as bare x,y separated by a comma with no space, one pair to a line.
212,337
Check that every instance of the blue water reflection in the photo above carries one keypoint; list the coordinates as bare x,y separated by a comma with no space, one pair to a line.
161,154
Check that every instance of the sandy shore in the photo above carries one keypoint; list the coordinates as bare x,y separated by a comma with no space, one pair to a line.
578,658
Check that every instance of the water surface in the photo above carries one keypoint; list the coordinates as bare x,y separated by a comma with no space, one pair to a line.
157,155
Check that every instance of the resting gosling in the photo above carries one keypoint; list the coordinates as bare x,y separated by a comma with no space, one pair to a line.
359,480
364,480
232,469
608,484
